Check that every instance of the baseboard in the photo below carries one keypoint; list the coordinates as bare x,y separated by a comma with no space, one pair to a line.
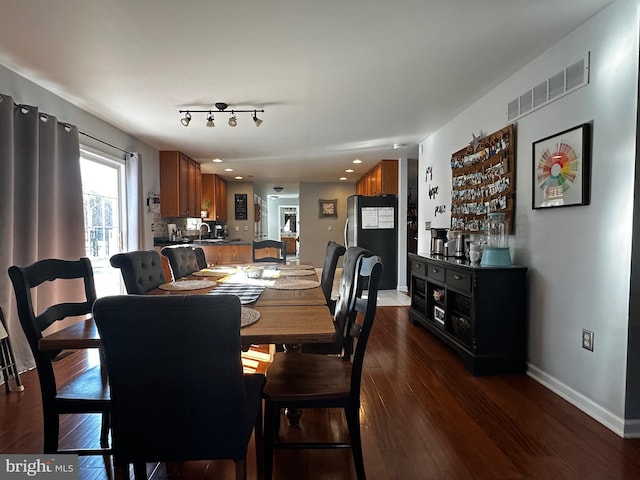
625,429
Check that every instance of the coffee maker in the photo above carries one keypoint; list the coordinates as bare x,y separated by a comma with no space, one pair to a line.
218,231
438,240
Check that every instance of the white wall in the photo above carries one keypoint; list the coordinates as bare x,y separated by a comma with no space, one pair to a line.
578,257
24,91
315,232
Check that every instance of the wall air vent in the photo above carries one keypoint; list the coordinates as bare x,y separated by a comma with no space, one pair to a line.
566,81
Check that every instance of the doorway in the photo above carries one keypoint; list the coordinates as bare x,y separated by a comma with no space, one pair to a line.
288,226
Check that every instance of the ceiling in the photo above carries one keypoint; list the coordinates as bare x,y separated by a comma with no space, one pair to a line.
338,80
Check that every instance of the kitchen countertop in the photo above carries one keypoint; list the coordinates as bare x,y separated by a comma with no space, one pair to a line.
207,242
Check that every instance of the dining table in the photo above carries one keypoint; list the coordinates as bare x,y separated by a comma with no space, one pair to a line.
286,315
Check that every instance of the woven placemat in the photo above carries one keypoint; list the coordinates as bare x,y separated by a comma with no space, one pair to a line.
291,266
296,273
293,284
188,285
207,272
249,316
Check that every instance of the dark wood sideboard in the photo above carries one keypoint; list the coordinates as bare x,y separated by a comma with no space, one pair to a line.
479,311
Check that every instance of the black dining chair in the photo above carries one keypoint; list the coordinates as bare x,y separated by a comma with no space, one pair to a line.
7,359
87,392
201,258
269,246
333,254
344,312
323,381
213,413
183,261
141,270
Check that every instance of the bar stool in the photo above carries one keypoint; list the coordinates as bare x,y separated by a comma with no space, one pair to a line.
7,360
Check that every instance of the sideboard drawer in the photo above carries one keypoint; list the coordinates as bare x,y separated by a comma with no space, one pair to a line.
435,271
418,267
459,280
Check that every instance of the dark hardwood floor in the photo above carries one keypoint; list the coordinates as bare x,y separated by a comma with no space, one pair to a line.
423,417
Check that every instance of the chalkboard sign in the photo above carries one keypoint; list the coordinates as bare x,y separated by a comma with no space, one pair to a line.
241,206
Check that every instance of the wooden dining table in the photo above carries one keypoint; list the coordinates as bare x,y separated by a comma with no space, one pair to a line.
286,317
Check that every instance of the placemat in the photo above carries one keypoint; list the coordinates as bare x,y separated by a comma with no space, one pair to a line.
293,284
296,273
187,285
207,272
245,292
249,316
291,266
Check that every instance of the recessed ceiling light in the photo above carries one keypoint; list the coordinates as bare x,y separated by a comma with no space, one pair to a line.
349,170
238,177
228,169
343,178
357,160
216,160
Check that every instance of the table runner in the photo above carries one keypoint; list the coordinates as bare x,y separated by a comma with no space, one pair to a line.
247,293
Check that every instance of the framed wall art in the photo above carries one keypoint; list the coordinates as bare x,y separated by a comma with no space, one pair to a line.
561,169
329,208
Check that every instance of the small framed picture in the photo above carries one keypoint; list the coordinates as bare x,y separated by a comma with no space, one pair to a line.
561,169
329,208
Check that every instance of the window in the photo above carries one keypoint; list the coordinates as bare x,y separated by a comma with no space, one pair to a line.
104,217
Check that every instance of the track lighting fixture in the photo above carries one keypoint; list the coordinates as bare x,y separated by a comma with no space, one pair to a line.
187,118
222,108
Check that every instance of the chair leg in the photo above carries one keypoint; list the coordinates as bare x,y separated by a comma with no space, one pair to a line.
121,472
271,416
259,444
241,469
51,431
352,415
104,431
140,470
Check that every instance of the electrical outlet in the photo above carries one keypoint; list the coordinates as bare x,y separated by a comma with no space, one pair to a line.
587,339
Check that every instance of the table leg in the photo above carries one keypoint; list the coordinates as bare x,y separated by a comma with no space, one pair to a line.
293,414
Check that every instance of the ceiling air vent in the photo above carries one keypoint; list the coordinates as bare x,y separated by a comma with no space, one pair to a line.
569,79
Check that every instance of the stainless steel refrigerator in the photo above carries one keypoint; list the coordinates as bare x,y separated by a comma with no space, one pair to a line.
372,223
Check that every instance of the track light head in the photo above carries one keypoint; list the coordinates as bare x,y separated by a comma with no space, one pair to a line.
256,120
187,118
233,121
210,120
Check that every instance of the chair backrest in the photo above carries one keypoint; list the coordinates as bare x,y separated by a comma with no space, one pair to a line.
182,260
25,282
201,258
271,244
334,252
175,371
141,270
350,288
369,271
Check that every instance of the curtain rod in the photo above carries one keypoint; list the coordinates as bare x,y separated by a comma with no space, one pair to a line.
106,143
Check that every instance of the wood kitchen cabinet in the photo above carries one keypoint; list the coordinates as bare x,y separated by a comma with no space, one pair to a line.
478,311
380,180
214,189
180,190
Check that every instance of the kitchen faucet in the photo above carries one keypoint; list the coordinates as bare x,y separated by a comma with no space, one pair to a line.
200,229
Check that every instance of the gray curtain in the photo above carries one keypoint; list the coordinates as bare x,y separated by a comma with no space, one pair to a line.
41,211
135,209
